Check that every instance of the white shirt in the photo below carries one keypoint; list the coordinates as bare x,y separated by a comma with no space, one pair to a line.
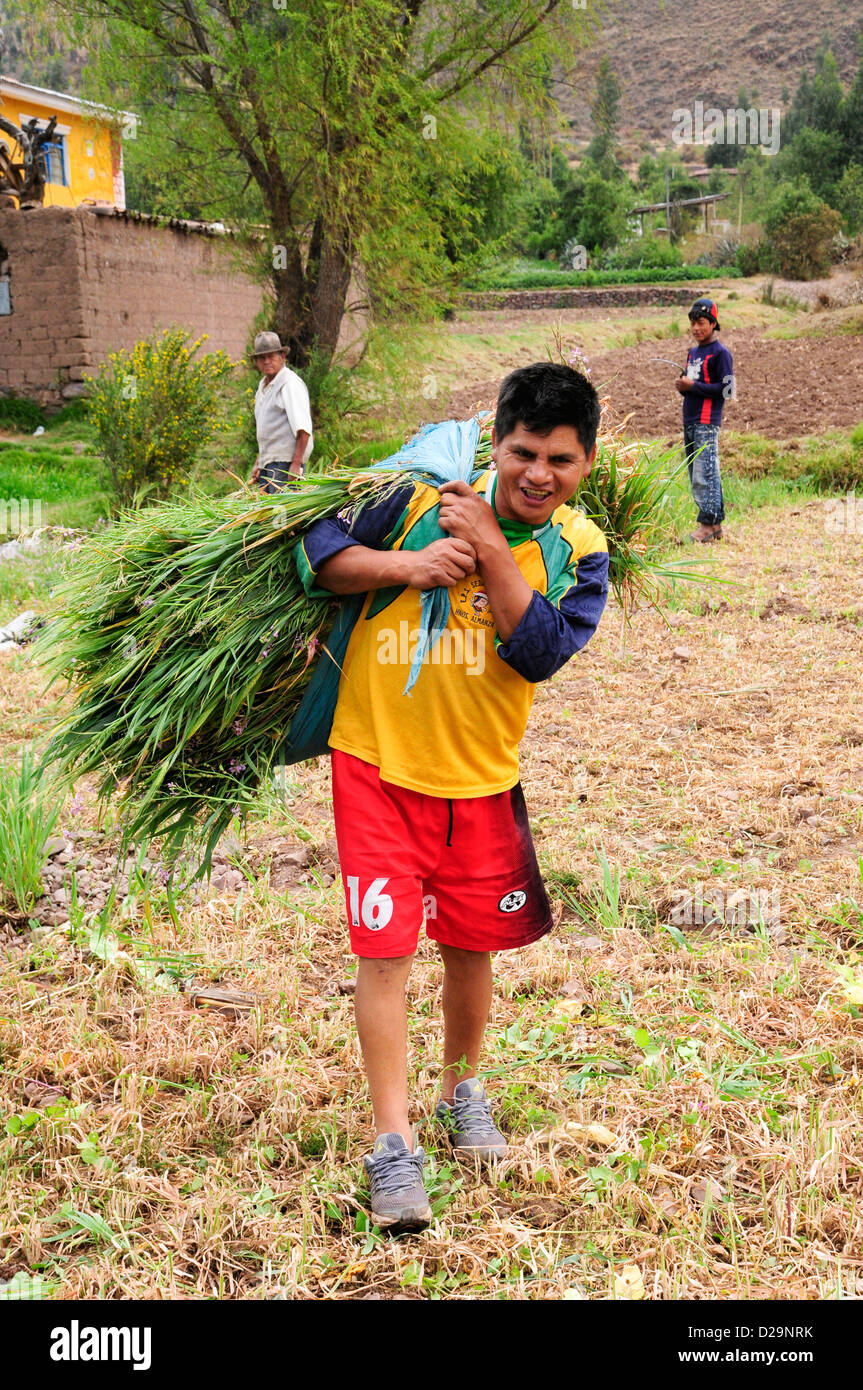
281,410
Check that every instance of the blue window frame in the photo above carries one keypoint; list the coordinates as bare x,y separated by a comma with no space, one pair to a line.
56,160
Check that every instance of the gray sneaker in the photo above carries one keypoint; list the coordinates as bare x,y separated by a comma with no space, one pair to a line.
472,1131
399,1200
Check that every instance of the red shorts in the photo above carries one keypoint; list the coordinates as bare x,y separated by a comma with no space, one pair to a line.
467,866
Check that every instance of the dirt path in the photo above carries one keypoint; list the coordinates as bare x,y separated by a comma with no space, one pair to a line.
786,388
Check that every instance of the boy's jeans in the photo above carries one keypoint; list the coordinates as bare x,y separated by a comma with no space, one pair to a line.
701,446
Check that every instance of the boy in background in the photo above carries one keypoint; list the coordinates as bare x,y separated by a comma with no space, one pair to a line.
705,386
429,812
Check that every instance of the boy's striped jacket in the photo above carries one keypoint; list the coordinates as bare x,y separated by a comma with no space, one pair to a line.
710,368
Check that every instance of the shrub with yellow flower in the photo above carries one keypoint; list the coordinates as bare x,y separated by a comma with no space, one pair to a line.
154,407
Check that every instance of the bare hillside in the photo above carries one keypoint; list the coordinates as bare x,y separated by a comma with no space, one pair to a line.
668,56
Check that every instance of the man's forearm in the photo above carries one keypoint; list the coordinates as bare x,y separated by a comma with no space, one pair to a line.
509,593
300,449
358,568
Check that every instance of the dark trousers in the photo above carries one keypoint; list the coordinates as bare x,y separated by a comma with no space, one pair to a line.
273,476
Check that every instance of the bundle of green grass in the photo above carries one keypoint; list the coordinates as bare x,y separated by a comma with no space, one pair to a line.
188,642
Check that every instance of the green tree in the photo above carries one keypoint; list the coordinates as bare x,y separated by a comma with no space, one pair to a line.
826,133
851,115
722,155
545,213
605,114
482,204
800,111
818,100
646,175
800,229
848,199
718,181
826,92
597,209
154,185
754,185
817,155
305,121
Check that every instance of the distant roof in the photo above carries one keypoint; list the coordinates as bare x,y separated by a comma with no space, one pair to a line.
12,89
680,203
697,171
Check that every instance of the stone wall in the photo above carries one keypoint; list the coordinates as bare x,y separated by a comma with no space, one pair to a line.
83,283
581,299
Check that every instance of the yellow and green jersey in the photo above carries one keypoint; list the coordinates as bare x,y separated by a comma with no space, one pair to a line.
457,733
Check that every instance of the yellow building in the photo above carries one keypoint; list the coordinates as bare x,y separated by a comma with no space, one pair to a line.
85,158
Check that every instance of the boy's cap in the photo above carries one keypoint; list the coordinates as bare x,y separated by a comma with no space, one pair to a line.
705,308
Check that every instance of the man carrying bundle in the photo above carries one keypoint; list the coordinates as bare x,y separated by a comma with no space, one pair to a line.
430,816
283,419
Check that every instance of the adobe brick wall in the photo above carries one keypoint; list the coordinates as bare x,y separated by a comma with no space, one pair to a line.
137,278
84,284
46,327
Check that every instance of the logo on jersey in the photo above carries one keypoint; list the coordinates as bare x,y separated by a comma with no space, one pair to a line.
511,902
470,604
479,601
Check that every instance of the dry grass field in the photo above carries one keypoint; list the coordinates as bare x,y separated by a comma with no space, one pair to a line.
678,1065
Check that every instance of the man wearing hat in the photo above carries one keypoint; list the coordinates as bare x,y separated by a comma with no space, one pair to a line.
283,418
706,385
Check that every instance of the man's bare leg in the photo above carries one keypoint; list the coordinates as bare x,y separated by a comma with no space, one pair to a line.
381,1014
467,988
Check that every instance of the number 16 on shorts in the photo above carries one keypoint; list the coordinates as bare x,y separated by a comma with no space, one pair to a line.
377,906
